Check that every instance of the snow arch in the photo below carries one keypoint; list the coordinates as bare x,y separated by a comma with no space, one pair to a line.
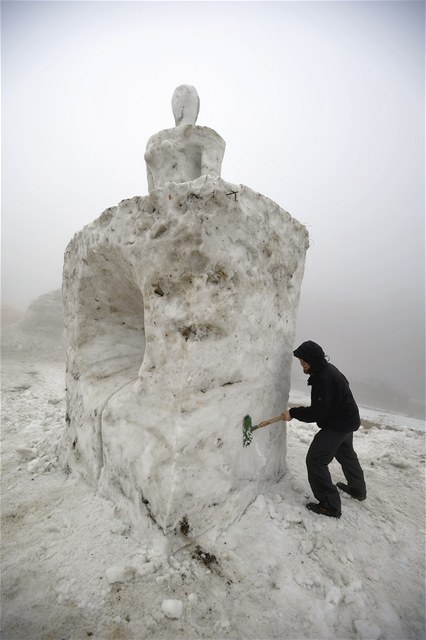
105,321
110,333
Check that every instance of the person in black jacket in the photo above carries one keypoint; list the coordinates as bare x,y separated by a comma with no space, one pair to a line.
336,413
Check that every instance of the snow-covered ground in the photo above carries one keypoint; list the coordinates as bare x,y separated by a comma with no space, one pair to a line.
71,569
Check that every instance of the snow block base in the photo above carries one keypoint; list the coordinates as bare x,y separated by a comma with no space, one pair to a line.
180,310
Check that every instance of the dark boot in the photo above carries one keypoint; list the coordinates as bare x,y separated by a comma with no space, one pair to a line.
353,492
322,510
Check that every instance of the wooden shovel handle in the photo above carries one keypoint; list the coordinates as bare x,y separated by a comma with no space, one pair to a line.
270,421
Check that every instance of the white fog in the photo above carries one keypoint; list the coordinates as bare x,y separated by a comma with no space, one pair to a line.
321,105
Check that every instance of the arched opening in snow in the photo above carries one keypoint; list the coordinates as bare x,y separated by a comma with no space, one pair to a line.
110,336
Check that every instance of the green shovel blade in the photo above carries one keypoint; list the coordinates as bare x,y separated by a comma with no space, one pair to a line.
247,434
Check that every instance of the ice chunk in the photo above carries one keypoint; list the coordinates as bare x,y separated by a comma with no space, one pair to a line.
119,573
27,453
367,630
172,608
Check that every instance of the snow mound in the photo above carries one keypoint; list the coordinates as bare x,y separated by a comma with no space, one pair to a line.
41,330
10,316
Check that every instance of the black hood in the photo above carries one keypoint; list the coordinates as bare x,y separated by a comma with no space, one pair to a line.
311,353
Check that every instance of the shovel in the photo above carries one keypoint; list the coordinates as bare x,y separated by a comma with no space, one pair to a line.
248,428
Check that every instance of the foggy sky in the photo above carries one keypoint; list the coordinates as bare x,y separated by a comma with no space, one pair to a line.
321,105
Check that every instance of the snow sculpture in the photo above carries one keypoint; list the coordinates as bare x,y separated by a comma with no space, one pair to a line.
180,311
185,152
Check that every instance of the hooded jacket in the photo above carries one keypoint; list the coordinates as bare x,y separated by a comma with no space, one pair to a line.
332,403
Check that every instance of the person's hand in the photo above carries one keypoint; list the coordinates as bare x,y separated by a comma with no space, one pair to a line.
286,416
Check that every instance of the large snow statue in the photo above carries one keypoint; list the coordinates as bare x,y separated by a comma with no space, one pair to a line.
180,312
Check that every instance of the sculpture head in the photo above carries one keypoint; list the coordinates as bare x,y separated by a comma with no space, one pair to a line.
185,104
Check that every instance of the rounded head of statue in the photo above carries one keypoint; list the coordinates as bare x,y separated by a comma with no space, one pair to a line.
185,104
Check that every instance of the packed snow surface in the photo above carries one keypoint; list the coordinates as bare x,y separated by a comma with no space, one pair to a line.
71,569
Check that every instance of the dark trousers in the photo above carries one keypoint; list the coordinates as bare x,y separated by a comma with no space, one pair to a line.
325,446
